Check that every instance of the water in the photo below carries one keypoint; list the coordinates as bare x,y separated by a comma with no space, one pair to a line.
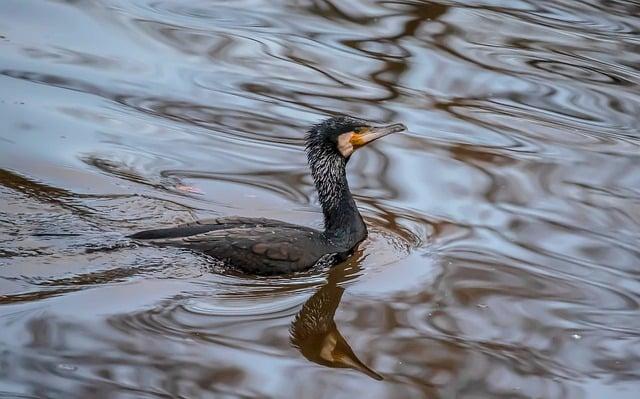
503,259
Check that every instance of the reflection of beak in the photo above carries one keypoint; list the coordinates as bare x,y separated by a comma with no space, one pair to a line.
338,353
373,133
349,359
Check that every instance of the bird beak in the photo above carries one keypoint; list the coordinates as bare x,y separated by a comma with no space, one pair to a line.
367,135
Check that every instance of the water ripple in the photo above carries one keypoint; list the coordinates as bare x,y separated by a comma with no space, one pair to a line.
502,257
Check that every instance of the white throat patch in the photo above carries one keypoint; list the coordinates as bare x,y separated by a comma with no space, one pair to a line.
344,144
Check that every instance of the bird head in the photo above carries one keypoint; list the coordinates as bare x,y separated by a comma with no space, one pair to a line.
342,135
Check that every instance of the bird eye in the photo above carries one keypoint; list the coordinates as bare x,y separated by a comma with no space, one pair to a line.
358,130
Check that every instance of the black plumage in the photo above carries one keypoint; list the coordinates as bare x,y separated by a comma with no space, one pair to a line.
266,246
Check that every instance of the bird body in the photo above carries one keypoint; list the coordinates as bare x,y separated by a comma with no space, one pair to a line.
267,246
254,245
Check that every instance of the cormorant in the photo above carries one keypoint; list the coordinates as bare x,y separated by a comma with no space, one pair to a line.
267,246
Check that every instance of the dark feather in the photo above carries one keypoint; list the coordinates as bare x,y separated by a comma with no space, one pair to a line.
261,246
266,246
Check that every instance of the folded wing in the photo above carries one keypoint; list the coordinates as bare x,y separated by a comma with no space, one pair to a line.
263,246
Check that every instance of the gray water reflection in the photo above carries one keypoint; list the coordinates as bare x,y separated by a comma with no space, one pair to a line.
503,256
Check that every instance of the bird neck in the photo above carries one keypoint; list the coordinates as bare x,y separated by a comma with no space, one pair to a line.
342,221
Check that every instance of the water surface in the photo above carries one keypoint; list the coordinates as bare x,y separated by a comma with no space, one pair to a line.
503,257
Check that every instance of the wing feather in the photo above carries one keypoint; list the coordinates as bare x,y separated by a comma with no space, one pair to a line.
263,246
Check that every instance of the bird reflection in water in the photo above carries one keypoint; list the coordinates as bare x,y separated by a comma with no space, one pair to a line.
315,333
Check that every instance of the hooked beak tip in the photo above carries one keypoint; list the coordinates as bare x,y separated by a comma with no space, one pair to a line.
399,127
389,129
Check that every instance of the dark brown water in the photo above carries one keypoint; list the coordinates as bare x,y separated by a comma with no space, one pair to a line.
503,259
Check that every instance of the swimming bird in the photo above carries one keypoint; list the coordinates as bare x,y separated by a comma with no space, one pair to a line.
267,246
